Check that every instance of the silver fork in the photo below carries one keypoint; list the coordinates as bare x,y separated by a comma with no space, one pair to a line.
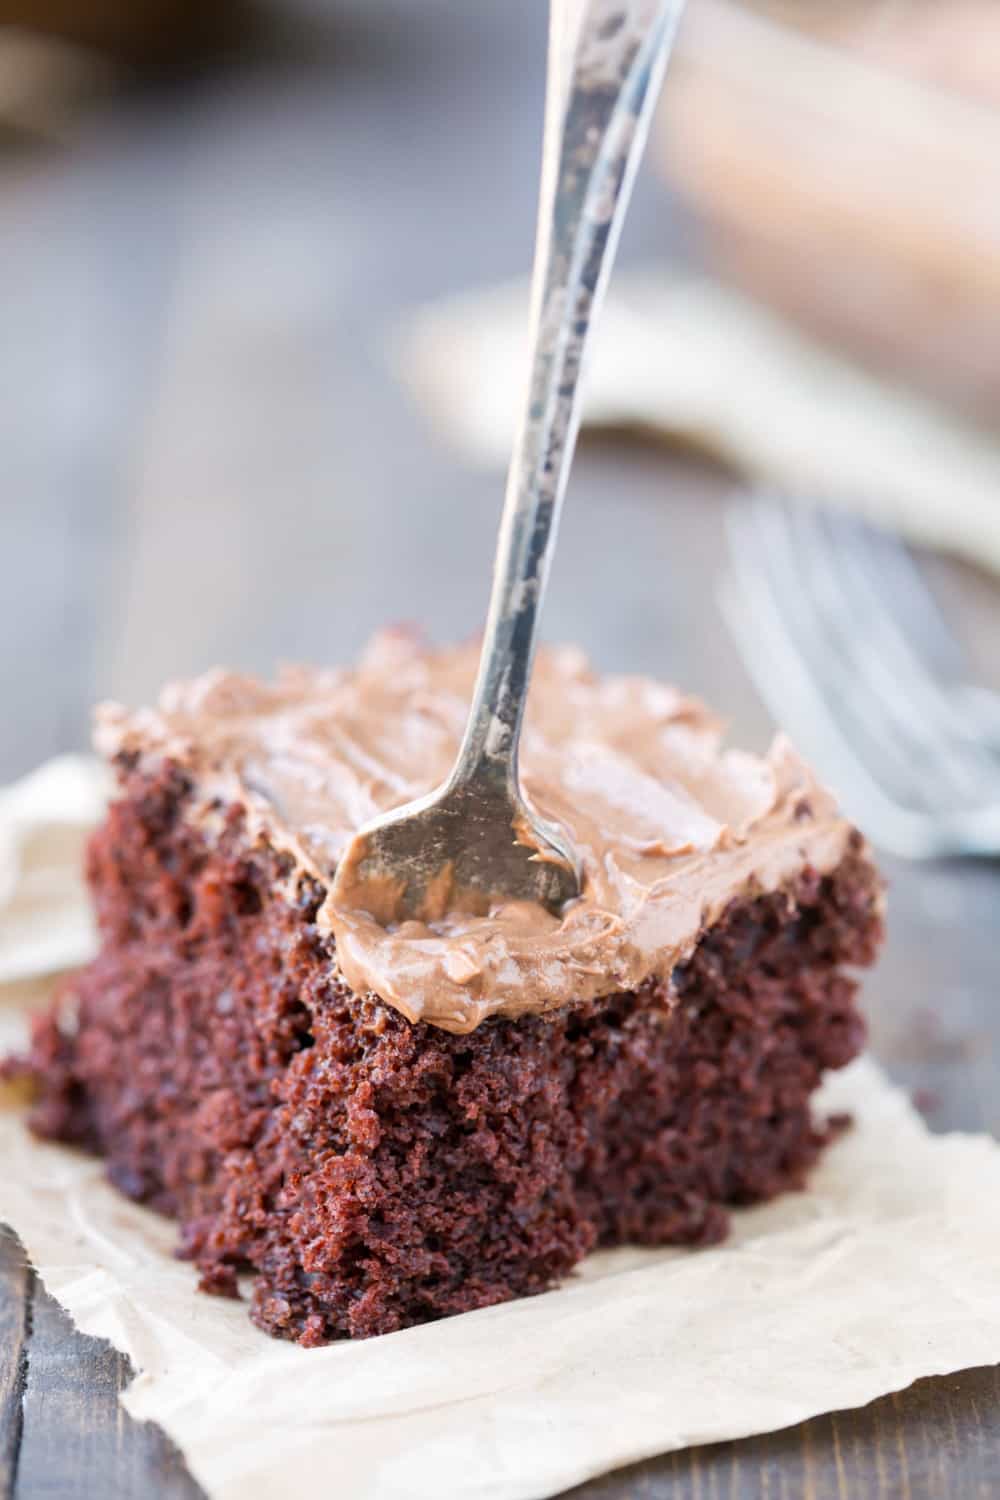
844,648
476,838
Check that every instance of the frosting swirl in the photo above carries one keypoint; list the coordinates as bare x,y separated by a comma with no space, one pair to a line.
669,826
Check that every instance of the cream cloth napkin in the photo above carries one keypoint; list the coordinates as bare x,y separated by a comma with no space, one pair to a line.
885,1270
45,918
687,358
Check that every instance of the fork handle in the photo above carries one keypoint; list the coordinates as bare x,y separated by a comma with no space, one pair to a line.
606,61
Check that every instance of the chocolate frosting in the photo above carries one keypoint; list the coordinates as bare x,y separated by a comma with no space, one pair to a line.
670,827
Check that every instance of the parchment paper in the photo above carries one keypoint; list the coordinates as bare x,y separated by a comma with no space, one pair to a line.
687,358
887,1269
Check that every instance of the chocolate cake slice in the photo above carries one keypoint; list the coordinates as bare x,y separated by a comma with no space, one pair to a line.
388,1126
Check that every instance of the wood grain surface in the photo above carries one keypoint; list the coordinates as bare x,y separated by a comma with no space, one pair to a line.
206,457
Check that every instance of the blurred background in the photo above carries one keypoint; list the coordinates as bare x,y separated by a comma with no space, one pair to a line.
257,381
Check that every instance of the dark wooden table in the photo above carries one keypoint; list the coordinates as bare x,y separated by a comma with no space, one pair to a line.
206,458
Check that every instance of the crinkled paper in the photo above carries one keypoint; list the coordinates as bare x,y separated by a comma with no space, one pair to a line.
887,1269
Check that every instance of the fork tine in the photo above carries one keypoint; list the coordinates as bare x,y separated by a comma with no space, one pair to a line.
858,697
765,565
976,709
914,765
877,658
887,558
911,686
892,573
880,656
773,659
